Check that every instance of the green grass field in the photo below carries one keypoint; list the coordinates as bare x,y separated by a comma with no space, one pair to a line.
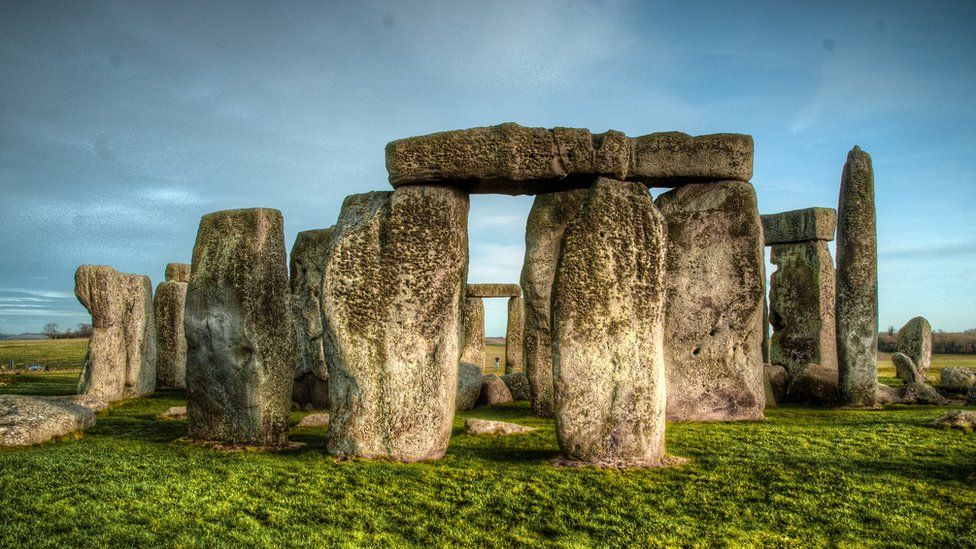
804,477
58,354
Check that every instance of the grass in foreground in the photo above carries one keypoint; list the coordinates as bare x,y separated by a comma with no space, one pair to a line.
803,477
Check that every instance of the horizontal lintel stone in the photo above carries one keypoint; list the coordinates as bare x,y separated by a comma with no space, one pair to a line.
494,290
799,226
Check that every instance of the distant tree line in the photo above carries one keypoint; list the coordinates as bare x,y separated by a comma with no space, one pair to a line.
943,343
52,332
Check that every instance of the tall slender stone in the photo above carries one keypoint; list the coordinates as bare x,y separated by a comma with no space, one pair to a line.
857,283
168,305
716,281
608,330
240,337
392,298
473,351
915,340
550,215
121,358
306,265
513,336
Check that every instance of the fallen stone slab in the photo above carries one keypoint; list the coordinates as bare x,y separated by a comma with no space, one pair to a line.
314,420
474,426
27,420
888,395
493,290
815,385
799,226
512,159
94,404
921,393
963,420
957,378
518,385
175,412
905,369
177,272
494,391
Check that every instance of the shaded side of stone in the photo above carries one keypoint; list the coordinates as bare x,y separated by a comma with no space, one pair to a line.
906,369
493,290
473,351
716,282
547,222
392,301
608,329
306,265
814,385
169,304
494,391
177,272
915,340
857,283
514,352
799,226
241,348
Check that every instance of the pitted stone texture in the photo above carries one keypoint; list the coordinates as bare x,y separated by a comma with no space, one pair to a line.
670,158
240,337
469,383
962,420
177,272
392,300
514,330
814,385
474,426
493,290
26,420
473,351
801,306
906,369
518,385
957,378
121,358
169,304
314,420
547,222
921,393
512,159
915,340
308,255
799,226
608,330
494,391
715,278
857,283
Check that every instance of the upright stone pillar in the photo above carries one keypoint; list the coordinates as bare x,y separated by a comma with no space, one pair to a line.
240,338
550,215
307,263
513,336
857,283
474,332
392,298
716,281
801,293
608,330
168,305
915,341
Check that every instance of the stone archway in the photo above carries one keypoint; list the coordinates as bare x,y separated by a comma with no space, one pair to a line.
473,351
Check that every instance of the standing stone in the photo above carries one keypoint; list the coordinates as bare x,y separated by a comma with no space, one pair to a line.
121,358
608,330
915,340
392,299
307,263
550,215
169,304
857,283
906,369
716,279
801,306
474,332
239,333
470,378
513,336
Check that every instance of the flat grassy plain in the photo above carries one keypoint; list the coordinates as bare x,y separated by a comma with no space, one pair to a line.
58,354
803,477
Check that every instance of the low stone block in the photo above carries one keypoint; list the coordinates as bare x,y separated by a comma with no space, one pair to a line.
177,272
518,385
26,420
777,380
915,340
957,378
314,420
921,393
814,385
174,412
963,420
906,370
494,290
470,378
474,426
799,226
494,391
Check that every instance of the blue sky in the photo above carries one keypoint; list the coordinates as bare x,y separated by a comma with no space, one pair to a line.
121,123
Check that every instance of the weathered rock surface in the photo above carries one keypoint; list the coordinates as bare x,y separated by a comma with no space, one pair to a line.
512,159
608,330
799,226
514,350
308,255
392,299
715,278
241,348
921,393
474,426
857,283
168,306
814,385
915,340
547,222
26,420
314,420
905,369
493,290
888,395
957,378
174,412
494,391
121,358
177,272
473,351
801,306
518,385
963,420
94,404
971,396
469,383
777,380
